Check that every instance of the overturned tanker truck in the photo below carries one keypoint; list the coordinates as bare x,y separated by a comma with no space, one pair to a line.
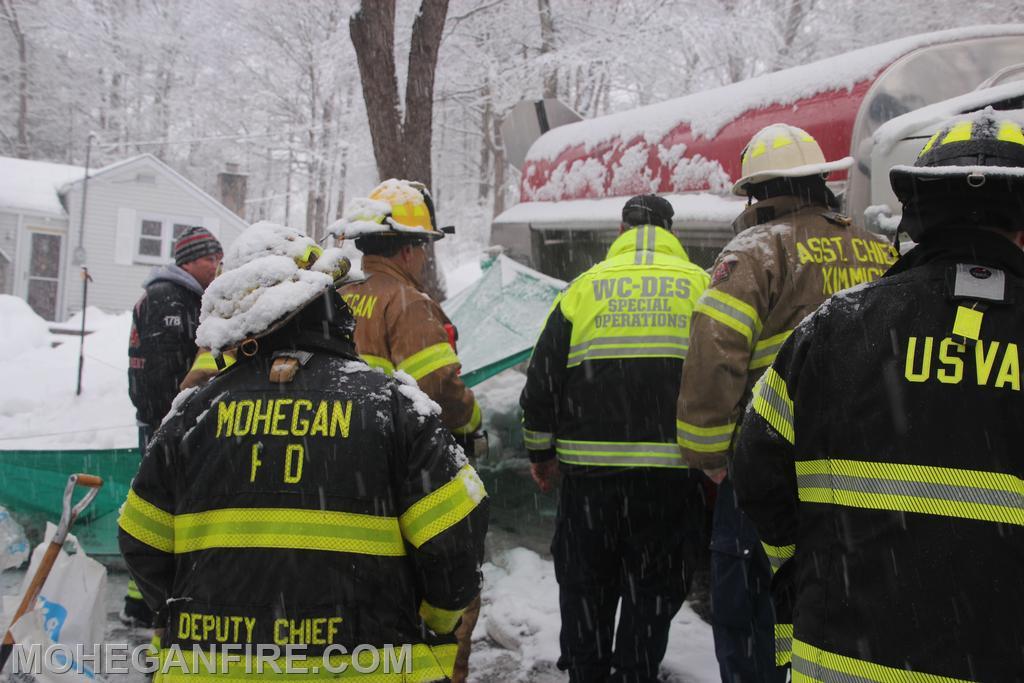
576,174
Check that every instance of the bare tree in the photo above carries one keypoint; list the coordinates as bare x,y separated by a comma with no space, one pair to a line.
10,14
402,147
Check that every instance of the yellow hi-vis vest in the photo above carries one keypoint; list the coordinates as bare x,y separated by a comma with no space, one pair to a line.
636,303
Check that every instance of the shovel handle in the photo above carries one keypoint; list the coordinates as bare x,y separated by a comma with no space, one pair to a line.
89,480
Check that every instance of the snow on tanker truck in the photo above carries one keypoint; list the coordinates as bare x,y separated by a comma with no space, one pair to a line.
577,174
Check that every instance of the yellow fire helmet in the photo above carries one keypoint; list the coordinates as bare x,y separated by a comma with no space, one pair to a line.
398,208
783,151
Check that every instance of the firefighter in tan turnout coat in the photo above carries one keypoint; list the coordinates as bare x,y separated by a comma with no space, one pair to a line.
400,328
792,251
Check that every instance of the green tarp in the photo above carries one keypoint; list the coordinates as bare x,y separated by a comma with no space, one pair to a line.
32,488
499,316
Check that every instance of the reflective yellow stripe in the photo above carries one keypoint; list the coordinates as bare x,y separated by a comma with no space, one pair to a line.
630,346
778,554
378,362
442,508
422,363
537,441
783,644
813,665
1010,132
133,591
288,528
426,664
772,402
931,143
474,422
961,132
967,494
731,312
765,350
147,523
619,453
439,620
206,362
704,439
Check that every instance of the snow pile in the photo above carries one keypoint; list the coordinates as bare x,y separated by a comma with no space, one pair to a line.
33,186
22,330
520,614
596,214
421,403
94,319
267,239
38,406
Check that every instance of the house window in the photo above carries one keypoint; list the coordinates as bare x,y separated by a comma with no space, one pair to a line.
157,235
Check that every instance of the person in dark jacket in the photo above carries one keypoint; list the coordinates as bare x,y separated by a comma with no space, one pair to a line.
880,458
301,497
599,405
162,347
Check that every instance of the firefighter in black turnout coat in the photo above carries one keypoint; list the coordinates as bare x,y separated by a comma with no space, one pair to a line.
881,458
301,498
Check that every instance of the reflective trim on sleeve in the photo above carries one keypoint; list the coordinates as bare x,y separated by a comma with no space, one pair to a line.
538,441
619,453
426,361
771,401
379,362
813,665
443,508
147,523
731,312
474,422
133,591
704,439
635,346
207,363
288,528
783,644
439,620
765,350
966,494
778,554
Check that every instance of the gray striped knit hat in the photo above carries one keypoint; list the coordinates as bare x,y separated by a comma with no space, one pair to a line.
195,243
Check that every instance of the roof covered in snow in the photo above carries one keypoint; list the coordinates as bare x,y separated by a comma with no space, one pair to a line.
698,207
33,186
708,111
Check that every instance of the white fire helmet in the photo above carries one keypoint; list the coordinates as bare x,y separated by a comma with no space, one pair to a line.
783,151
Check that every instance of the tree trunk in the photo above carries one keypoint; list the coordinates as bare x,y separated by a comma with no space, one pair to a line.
402,148
21,149
372,29
547,46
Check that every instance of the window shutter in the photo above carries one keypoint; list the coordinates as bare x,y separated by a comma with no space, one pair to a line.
124,237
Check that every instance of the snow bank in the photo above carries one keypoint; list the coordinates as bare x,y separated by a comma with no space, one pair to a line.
38,406
520,614
22,330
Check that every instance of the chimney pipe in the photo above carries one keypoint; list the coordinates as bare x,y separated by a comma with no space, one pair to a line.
233,187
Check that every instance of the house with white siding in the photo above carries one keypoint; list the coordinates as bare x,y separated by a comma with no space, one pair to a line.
134,209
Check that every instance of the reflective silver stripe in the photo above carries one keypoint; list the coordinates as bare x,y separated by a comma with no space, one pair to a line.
649,339
652,242
916,489
638,259
678,351
819,672
734,313
619,454
766,350
708,440
646,241
537,441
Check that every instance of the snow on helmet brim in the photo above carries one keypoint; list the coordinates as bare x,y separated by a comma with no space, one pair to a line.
365,216
247,301
739,188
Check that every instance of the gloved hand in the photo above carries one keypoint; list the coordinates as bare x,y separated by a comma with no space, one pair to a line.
545,474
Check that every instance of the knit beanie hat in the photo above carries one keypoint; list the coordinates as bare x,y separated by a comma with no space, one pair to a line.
195,243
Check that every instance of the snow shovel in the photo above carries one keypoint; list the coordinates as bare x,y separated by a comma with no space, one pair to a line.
67,518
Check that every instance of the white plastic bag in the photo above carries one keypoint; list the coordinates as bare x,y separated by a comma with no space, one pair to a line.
32,629
74,596
13,544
